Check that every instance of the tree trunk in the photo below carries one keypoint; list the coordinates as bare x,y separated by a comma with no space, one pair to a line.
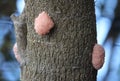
65,53
117,10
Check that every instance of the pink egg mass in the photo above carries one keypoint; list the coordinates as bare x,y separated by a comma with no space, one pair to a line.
15,50
43,23
98,56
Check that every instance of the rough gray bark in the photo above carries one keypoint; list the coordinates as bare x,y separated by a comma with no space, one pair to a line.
65,53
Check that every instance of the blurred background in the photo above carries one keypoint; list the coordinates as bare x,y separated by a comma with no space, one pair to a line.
108,35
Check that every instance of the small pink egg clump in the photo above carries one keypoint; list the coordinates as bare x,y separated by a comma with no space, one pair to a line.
43,23
15,50
98,56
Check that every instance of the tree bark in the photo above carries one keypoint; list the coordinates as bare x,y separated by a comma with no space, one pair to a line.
65,53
